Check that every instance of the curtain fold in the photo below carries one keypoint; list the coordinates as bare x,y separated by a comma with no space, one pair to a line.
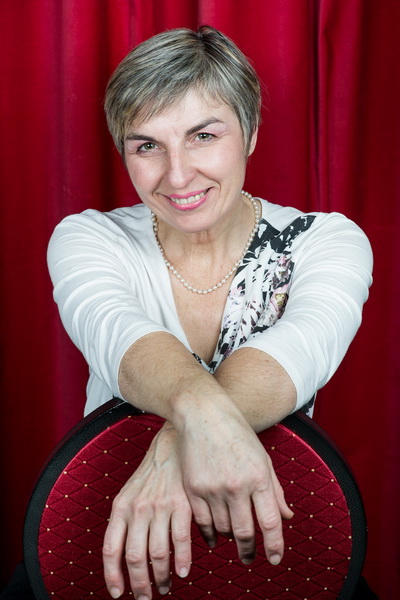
330,140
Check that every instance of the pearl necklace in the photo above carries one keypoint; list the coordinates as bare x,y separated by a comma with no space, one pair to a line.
234,267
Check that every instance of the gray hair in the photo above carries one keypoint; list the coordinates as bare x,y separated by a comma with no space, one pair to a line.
162,69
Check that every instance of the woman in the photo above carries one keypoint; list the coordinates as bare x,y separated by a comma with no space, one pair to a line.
220,312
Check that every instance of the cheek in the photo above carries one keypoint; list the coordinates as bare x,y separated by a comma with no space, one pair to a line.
142,177
230,163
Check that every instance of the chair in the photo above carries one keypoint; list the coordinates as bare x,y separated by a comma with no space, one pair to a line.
67,516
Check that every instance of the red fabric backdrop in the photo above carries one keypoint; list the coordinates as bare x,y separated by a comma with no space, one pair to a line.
330,141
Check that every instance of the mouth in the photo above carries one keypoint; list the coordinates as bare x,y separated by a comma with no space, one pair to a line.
187,200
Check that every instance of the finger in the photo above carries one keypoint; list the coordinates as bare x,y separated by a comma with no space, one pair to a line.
285,510
243,529
159,552
270,521
181,520
137,558
220,516
113,548
203,518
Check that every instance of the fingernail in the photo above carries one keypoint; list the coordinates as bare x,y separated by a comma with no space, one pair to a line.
274,559
115,592
163,590
142,597
183,572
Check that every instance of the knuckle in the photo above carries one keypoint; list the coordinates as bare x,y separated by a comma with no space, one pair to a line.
119,505
160,505
159,554
109,551
244,534
224,530
274,547
183,507
196,488
234,487
262,482
198,483
126,505
203,521
134,558
139,585
181,536
141,509
111,580
271,522
223,525
123,508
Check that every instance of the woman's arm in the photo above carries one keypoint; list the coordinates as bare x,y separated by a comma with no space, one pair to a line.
170,385
259,386
224,467
330,283
150,507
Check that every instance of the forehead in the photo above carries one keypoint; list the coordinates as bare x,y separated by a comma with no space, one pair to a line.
192,107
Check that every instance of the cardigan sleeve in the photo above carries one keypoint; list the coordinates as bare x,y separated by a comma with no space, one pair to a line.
102,306
330,283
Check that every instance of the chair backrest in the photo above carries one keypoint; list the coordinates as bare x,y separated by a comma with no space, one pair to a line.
67,516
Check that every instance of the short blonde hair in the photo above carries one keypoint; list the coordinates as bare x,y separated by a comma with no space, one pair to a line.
162,69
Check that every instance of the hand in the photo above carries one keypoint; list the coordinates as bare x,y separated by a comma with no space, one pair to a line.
226,470
151,503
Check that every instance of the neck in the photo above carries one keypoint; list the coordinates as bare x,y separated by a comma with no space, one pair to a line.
228,234
208,255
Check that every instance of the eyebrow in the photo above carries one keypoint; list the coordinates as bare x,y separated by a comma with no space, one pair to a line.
191,131
203,125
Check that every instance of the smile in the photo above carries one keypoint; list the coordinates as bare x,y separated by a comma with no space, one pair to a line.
188,200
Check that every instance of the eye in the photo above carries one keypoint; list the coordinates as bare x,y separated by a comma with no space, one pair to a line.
147,147
204,136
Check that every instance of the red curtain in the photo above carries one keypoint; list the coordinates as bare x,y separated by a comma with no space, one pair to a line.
330,141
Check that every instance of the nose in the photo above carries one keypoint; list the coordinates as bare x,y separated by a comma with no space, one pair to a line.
180,168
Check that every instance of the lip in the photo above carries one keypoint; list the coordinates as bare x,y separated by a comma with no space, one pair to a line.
192,205
181,196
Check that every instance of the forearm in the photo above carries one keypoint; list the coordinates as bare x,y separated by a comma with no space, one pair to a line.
259,387
159,375
214,465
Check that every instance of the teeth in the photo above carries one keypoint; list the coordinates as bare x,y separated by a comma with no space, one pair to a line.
189,199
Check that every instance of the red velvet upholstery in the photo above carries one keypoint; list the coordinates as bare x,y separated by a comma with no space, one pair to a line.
67,517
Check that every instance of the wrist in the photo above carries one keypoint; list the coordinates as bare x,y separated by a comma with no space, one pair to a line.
210,406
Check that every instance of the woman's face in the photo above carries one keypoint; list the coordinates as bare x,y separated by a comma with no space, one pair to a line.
187,163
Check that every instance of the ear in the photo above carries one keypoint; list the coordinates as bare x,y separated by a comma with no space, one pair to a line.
253,142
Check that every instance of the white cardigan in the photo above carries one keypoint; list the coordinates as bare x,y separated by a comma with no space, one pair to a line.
301,287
